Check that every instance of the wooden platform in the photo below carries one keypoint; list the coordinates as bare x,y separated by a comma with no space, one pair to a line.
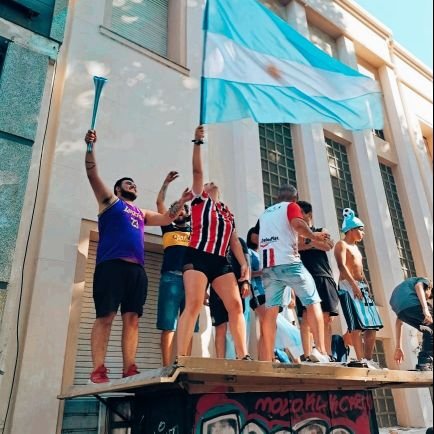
199,375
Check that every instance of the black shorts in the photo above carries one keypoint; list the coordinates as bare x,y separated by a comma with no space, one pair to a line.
219,314
328,292
119,283
213,266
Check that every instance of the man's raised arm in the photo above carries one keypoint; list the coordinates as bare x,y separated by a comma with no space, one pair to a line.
103,194
161,207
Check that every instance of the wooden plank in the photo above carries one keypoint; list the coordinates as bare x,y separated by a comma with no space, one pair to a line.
199,375
152,377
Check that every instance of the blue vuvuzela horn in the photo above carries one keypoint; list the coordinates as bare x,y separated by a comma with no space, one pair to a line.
99,84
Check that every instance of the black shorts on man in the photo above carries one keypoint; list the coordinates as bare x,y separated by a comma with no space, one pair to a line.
119,283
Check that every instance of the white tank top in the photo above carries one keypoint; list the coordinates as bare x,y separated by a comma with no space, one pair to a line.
278,240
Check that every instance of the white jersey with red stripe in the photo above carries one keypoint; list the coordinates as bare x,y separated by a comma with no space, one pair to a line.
278,239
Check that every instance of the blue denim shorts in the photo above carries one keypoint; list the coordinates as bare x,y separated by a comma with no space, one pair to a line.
296,276
171,301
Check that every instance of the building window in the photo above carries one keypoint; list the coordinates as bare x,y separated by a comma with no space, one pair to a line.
343,188
428,145
383,398
323,41
276,6
3,48
398,223
90,416
379,134
146,23
35,15
277,159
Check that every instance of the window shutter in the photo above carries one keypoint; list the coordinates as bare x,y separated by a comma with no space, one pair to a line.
144,22
148,352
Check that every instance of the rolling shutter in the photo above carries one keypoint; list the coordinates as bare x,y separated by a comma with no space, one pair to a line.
148,352
143,22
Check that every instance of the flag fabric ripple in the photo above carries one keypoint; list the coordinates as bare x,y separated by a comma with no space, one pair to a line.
257,66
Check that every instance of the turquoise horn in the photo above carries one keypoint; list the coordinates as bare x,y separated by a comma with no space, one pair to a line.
99,84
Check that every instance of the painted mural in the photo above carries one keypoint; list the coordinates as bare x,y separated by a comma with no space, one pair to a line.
286,413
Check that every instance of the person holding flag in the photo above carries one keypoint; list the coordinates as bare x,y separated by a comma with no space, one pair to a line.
213,233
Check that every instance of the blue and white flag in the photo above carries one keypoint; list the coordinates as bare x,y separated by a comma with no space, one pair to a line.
257,66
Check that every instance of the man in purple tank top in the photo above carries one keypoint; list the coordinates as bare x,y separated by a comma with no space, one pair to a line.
120,278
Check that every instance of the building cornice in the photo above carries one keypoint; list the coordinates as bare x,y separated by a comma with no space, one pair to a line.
365,17
409,58
382,30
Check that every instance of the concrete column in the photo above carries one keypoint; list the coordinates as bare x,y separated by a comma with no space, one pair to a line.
422,157
313,174
416,210
382,251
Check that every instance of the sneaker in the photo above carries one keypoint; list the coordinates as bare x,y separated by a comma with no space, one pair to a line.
371,364
132,370
247,358
317,357
99,376
425,365
357,364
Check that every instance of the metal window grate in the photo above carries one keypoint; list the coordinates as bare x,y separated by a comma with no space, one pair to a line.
383,398
343,188
398,223
277,158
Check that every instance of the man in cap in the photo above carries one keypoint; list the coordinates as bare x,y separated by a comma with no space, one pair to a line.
359,309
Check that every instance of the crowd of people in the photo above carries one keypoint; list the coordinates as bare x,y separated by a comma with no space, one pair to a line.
281,265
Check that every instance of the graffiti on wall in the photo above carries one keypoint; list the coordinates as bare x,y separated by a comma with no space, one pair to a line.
286,413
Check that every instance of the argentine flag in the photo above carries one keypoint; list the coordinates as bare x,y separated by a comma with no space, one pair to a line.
257,66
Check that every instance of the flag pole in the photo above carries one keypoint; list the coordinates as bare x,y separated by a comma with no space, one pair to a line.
202,79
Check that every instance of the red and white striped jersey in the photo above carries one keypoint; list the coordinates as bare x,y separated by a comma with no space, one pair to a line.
278,241
212,225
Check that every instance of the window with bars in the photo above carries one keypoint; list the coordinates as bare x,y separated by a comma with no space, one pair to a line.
398,223
343,188
277,159
144,23
383,398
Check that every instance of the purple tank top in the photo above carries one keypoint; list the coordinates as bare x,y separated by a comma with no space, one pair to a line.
121,234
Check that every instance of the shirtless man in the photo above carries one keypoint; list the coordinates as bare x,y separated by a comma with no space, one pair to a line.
359,309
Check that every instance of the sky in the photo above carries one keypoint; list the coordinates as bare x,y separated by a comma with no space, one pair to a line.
411,24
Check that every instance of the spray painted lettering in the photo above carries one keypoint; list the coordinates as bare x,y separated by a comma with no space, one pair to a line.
286,413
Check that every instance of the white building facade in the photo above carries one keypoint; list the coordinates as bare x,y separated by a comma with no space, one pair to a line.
148,112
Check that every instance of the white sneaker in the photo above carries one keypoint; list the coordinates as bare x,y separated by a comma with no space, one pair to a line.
371,364
317,357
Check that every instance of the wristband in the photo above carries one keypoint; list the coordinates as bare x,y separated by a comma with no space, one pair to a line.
197,142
